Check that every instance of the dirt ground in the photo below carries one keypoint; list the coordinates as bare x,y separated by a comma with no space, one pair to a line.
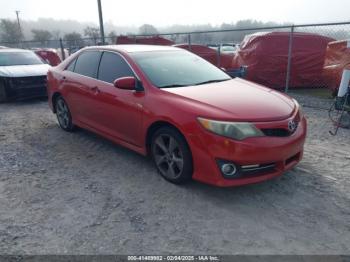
77,193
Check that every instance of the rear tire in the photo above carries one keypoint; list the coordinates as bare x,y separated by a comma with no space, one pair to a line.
3,95
63,114
171,155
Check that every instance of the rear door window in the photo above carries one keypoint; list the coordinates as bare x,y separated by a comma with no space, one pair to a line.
113,66
87,63
71,66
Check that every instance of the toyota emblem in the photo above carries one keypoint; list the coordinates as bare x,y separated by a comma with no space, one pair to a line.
292,125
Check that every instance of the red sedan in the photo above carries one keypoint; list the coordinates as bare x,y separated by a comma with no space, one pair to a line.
190,116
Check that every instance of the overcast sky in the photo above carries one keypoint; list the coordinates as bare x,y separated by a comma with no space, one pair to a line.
167,12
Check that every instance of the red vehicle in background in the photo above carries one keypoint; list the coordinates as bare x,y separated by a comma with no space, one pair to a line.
49,55
337,59
145,40
190,116
265,55
222,60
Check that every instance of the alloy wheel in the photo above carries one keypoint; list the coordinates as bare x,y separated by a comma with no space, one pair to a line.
63,114
168,156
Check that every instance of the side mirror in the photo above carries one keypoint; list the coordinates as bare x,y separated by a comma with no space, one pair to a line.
127,83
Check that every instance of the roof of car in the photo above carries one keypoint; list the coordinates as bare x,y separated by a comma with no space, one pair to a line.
10,50
137,48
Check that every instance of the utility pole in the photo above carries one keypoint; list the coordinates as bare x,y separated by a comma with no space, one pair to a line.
19,26
102,32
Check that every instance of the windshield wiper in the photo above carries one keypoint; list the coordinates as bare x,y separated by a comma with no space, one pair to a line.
211,81
172,85
201,83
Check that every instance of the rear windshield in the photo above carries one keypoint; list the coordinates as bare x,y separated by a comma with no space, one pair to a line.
19,58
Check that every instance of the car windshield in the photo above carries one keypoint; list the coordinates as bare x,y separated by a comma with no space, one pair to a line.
167,69
19,58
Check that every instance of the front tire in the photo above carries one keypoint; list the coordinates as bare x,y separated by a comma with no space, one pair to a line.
171,155
63,114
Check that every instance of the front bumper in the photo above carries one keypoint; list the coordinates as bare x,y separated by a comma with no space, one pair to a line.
282,152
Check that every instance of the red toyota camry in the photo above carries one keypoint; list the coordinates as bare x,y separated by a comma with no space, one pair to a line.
190,116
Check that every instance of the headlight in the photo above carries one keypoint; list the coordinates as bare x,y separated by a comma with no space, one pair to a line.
299,108
235,130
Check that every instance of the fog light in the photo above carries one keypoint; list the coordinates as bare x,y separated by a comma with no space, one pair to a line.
228,169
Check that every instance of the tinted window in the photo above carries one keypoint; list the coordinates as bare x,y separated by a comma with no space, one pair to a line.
19,58
71,66
177,68
87,63
113,66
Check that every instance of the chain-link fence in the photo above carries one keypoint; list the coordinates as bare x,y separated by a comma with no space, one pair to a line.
281,57
71,45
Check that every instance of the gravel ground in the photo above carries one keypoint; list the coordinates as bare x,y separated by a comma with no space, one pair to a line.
76,193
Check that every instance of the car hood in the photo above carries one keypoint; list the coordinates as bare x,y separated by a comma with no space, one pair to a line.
238,99
24,70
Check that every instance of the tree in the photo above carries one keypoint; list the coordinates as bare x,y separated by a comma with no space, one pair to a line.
92,32
148,29
41,35
113,36
10,32
56,34
74,38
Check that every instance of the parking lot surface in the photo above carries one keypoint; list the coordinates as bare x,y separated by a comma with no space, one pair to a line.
77,193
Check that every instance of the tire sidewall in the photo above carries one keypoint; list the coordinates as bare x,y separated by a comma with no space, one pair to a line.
70,126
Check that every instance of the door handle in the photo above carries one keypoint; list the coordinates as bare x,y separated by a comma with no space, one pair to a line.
95,89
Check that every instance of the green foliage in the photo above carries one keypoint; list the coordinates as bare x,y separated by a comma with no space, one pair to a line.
10,31
148,29
74,38
92,32
41,35
112,36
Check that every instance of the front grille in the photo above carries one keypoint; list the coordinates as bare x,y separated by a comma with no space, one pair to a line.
29,82
26,87
288,130
279,132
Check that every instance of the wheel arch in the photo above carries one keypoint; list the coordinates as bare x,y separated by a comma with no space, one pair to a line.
154,127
